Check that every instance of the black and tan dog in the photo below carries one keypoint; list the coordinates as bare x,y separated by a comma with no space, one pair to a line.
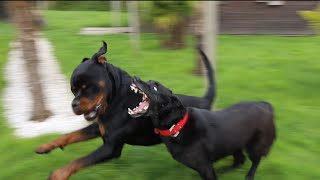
198,137
103,93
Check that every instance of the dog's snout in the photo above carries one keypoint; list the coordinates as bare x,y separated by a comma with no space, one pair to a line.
75,103
136,78
76,107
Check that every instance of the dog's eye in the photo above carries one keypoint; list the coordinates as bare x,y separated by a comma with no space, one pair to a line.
155,88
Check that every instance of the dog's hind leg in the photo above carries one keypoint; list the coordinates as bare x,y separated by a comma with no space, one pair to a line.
256,148
239,159
254,166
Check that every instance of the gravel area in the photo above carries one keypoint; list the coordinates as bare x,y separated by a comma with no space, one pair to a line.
17,97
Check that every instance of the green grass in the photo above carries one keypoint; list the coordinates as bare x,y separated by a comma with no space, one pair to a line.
281,70
73,20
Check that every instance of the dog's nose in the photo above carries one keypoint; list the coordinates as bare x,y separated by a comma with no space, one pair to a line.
75,103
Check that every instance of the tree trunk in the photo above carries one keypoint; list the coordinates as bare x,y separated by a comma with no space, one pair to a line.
198,26
115,13
175,38
133,10
26,25
178,34
3,12
199,67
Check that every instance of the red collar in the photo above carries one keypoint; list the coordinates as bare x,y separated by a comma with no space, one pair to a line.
175,129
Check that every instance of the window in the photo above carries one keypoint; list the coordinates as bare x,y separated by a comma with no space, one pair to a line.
273,3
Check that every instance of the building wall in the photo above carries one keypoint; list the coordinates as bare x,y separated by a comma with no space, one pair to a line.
252,17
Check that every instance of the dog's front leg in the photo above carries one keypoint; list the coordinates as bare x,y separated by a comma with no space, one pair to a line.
208,174
89,132
102,154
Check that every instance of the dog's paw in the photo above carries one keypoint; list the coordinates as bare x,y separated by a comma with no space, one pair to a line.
59,174
44,149
50,177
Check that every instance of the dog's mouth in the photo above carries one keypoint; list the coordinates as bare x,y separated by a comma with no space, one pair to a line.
93,113
142,107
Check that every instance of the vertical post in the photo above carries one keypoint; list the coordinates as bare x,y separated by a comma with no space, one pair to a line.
210,9
134,23
23,18
42,5
211,29
115,13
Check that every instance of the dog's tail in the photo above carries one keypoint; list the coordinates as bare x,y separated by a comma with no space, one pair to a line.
211,91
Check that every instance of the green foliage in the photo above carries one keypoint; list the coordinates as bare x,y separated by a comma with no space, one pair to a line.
166,22
167,14
313,17
180,8
169,19
281,70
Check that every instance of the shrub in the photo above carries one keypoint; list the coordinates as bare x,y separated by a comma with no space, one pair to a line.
313,18
170,19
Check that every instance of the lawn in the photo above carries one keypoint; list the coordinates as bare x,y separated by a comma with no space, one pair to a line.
281,70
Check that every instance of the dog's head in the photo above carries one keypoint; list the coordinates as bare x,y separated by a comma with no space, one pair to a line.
91,85
157,99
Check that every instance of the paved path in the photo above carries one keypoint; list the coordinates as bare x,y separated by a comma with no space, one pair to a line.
17,98
105,30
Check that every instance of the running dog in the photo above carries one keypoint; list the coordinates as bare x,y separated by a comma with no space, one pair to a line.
198,137
102,93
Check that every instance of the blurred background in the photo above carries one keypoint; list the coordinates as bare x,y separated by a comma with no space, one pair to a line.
261,50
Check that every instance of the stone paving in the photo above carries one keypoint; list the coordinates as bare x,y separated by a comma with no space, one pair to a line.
105,30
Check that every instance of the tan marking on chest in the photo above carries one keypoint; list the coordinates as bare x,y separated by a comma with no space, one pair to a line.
102,129
102,84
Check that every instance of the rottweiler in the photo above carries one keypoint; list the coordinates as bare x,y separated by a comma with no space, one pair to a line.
104,96
198,137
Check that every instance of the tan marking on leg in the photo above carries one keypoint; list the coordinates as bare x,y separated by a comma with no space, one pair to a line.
65,172
61,142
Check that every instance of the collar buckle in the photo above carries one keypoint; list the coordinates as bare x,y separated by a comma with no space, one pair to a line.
176,134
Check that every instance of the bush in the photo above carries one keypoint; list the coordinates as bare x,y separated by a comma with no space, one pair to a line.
169,19
313,18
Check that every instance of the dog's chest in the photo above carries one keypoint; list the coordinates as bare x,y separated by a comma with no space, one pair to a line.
184,153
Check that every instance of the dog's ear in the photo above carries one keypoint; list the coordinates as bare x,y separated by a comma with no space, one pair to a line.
114,75
85,59
102,59
99,57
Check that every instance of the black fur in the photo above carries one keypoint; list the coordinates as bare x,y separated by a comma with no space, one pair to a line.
211,135
102,92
